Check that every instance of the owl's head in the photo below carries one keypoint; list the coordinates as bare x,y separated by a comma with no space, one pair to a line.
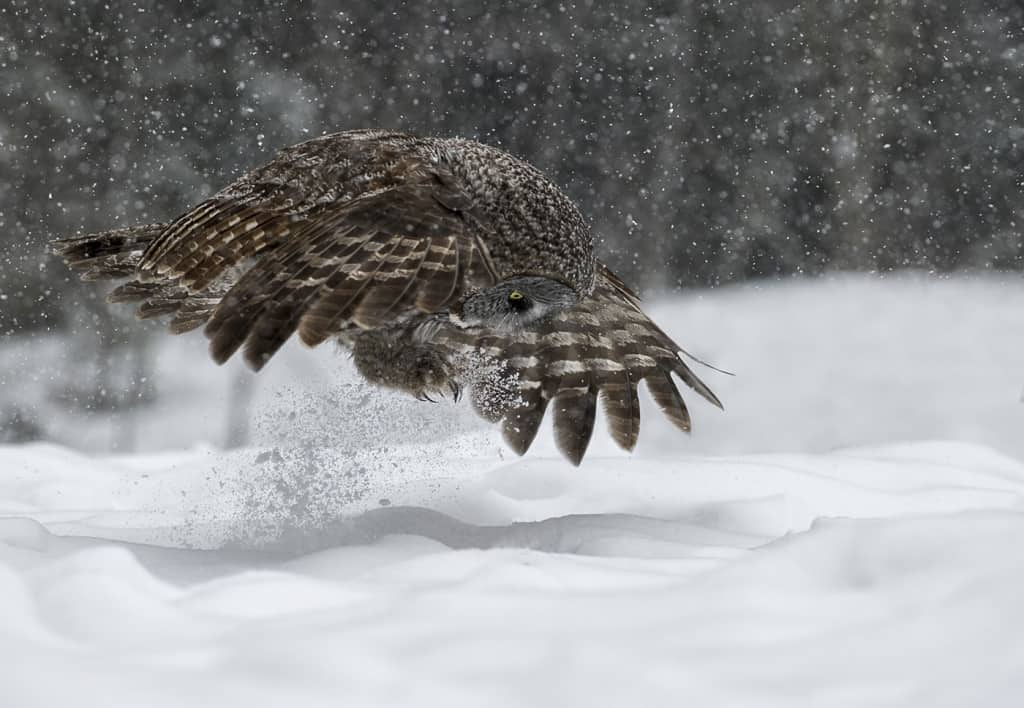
514,304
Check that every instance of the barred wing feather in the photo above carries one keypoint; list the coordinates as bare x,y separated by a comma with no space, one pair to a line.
600,349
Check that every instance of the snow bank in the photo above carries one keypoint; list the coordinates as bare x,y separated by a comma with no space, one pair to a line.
882,576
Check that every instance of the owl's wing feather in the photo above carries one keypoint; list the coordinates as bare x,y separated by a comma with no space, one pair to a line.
219,233
411,229
520,425
438,275
395,289
344,232
622,408
601,348
356,229
363,262
255,273
265,207
107,255
116,254
264,307
574,412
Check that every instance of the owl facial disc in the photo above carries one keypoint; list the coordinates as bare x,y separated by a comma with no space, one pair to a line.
514,304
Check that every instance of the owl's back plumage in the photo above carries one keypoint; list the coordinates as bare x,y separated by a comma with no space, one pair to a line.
377,239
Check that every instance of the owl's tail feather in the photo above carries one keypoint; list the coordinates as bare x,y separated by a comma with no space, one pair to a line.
114,255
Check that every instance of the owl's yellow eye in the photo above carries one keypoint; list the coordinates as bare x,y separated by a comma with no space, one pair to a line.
515,295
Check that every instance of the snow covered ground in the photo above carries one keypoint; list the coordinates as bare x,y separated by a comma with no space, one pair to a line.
846,533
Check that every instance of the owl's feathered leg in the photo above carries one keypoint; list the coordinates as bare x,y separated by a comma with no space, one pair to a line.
391,357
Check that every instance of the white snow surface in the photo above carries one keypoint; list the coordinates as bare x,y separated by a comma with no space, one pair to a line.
846,533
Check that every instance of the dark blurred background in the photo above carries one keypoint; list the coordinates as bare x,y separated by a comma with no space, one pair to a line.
709,142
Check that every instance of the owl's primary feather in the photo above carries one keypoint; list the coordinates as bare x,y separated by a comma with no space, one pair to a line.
381,240
604,347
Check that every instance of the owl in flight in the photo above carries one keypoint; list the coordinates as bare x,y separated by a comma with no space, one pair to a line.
443,265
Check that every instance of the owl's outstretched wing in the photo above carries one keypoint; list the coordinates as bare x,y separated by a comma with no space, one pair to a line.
365,262
602,348
352,230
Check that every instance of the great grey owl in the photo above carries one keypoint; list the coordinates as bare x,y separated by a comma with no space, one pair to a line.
443,264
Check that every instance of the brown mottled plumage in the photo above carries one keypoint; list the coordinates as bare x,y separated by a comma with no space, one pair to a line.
442,263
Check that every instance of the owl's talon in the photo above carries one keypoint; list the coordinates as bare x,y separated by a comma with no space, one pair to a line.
456,391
